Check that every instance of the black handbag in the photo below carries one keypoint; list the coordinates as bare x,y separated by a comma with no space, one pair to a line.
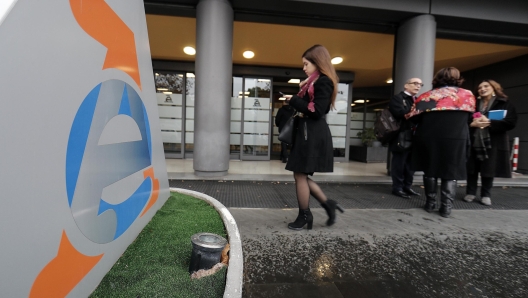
404,140
287,131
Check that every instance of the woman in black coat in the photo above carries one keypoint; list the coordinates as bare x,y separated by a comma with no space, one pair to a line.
490,155
312,149
441,141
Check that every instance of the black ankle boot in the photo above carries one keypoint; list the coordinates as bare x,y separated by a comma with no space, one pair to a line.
448,194
430,184
304,217
330,206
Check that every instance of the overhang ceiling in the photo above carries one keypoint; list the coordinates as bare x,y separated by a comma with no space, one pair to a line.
367,54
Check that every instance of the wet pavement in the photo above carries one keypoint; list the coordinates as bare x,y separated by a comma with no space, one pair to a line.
382,246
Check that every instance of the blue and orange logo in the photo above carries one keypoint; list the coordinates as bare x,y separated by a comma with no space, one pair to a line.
110,180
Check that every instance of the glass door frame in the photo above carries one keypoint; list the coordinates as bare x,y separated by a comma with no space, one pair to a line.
270,117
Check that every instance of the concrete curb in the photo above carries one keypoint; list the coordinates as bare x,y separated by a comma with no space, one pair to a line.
235,269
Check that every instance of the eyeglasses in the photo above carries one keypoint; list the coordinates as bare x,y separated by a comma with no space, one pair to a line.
416,84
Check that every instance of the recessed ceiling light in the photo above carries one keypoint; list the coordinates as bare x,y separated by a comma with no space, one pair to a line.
189,75
248,54
157,74
389,81
352,104
162,89
336,60
294,81
263,80
360,101
189,50
167,92
282,98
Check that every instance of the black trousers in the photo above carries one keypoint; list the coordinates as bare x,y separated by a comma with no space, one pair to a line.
485,189
402,175
284,151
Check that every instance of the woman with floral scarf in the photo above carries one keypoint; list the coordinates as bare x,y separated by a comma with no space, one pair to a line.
441,141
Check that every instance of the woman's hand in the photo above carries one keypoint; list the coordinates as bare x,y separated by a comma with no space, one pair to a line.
481,122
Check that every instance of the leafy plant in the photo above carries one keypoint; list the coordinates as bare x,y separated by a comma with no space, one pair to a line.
367,136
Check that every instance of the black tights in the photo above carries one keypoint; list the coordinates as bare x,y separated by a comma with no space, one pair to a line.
306,187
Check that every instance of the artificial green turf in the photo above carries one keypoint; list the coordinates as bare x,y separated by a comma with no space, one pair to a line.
156,264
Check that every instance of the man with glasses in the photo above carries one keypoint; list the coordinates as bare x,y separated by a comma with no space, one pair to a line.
402,175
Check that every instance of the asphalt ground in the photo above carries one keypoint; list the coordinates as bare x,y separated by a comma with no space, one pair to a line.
382,246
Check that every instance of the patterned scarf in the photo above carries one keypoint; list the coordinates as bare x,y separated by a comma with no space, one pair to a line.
308,86
482,140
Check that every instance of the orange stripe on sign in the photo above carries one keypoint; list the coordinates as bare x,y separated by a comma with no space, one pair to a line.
155,189
64,272
105,26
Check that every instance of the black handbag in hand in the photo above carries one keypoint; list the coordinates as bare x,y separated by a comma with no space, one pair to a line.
287,131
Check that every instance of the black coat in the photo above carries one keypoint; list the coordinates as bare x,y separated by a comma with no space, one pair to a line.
441,144
399,105
312,150
283,114
498,164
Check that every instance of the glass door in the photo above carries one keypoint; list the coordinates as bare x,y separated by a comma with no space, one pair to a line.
256,116
170,95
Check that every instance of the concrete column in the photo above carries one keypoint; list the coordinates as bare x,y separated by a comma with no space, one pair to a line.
214,71
415,50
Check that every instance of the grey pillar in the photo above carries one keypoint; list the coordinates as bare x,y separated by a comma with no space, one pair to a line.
415,50
214,71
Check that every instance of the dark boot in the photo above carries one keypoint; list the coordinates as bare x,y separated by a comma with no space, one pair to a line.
304,217
330,206
447,198
430,184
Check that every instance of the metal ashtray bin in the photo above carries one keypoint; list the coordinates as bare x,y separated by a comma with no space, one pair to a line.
206,252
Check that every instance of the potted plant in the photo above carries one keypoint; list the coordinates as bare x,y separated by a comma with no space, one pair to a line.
367,136
371,151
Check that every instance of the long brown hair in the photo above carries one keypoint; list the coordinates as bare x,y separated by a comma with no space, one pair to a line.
449,76
319,56
497,88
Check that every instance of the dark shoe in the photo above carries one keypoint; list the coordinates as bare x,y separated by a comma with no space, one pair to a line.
330,206
401,193
430,184
304,217
411,192
448,194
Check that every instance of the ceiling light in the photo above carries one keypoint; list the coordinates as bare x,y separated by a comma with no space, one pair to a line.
162,89
389,81
263,80
248,54
282,98
294,81
189,50
189,75
352,104
360,101
337,60
157,74
167,92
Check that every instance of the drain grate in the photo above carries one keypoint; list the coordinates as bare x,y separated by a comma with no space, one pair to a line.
269,194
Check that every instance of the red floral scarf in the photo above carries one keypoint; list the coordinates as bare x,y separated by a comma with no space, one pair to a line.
443,99
308,86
